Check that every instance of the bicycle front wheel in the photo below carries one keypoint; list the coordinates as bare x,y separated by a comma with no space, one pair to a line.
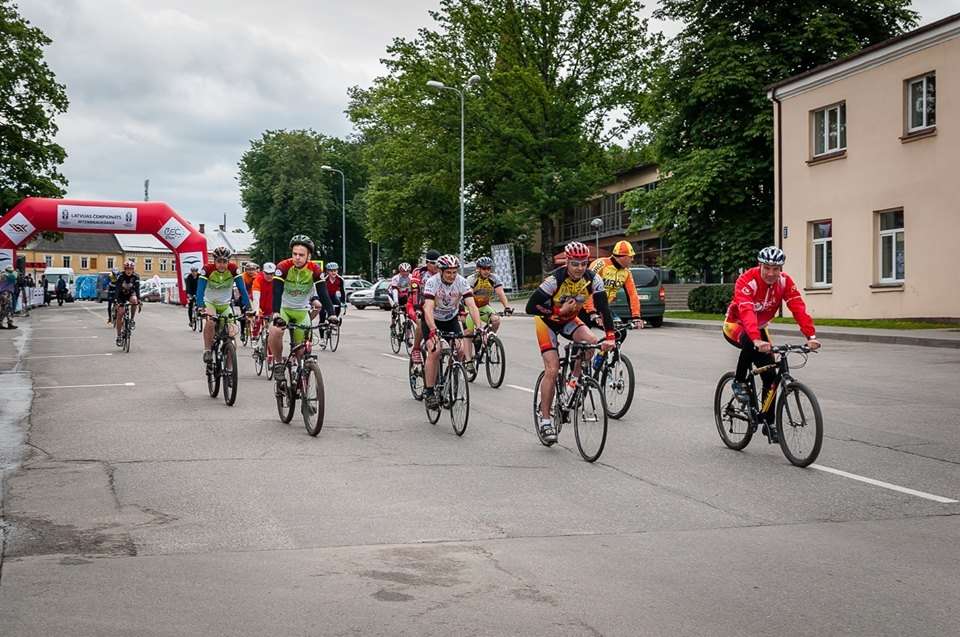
395,341
458,398
590,419
408,336
284,390
416,380
800,423
213,375
230,374
258,356
126,337
333,338
732,416
496,362
312,398
618,384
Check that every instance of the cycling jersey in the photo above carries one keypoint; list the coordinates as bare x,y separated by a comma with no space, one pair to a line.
190,284
263,294
216,287
248,279
401,283
293,287
558,287
484,287
615,277
334,287
446,297
415,299
755,303
127,285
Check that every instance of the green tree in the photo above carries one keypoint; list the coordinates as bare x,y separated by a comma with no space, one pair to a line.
552,74
711,124
30,99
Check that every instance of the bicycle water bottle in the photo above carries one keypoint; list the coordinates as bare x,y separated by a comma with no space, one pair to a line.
569,390
597,362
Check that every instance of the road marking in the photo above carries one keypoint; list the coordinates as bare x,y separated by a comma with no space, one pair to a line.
84,386
59,338
885,485
399,358
526,389
66,356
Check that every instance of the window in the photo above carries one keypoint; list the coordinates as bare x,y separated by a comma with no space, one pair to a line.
921,103
66,260
830,129
110,263
891,247
147,264
48,260
163,265
822,241
93,263
84,263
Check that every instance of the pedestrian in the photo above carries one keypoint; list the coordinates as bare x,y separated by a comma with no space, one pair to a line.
61,290
23,294
8,290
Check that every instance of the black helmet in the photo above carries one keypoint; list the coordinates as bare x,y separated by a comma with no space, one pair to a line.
302,240
431,255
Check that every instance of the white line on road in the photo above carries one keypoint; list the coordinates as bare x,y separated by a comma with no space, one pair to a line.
59,338
885,485
526,389
399,358
66,356
84,386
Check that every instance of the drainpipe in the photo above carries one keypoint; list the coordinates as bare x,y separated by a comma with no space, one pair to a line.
773,96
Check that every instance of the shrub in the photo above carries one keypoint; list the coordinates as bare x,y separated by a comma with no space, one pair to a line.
710,299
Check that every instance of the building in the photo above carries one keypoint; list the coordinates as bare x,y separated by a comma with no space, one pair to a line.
866,190
149,255
85,252
240,242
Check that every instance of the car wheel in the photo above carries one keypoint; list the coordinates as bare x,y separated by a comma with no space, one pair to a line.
385,308
655,321
359,306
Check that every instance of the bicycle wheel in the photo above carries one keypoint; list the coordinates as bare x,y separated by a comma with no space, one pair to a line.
555,412
477,353
333,338
258,356
243,334
458,398
416,380
284,389
618,384
733,418
230,373
408,335
800,423
496,362
312,397
213,374
395,337
126,336
590,419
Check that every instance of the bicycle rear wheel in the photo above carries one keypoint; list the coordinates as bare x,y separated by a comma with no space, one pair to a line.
284,390
800,423
496,362
312,398
230,373
590,419
458,398
733,418
477,356
618,384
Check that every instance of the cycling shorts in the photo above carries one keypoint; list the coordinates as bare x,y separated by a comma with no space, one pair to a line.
296,317
547,332
486,314
453,325
734,333
217,309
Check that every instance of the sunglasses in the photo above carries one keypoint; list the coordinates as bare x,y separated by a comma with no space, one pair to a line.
575,263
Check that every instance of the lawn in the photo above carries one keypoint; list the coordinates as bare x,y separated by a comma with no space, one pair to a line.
886,324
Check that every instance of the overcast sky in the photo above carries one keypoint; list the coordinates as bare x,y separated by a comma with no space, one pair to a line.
174,90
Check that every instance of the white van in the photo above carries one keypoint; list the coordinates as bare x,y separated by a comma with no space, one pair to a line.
53,274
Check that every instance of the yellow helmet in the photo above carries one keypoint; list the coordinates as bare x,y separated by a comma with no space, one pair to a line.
623,249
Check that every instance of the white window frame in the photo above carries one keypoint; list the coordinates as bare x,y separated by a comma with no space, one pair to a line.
922,80
110,263
892,233
827,254
84,263
48,260
163,265
841,109
148,264
67,261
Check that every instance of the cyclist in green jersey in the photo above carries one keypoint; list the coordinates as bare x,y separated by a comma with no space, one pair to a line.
214,293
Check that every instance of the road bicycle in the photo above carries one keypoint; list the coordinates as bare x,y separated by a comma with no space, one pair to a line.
489,352
300,379
452,389
401,331
259,353
329,336
798,422
222,368
126,332
585,404
614,371
195,319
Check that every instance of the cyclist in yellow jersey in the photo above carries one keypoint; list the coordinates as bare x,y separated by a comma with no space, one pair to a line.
615,272
485,284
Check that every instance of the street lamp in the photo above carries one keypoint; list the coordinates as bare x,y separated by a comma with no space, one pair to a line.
596,224
522,239
440,86
343,199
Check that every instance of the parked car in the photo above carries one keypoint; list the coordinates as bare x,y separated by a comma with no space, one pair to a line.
354,284
377,294
651,293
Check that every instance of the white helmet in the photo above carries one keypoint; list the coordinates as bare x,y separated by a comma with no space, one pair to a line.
269,268
772,255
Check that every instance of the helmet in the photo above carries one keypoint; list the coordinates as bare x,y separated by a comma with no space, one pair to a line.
332,265
484,262
269,268
448,261
772,255
577,250
623,249
431,256
129,264
404,267
249,265
221,252
302,240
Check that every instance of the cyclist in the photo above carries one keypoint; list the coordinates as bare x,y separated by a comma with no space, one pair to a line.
484,284
334,286
190,287
214,293
415,300
249,274
555,306
111,293
128,291
294,284
757,298
8,288
400,286
442,294
615,272
263,295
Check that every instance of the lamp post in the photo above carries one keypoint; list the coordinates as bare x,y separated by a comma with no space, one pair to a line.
440,86
343,201
523,239
596,224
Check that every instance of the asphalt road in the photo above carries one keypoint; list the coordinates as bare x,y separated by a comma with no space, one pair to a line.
144,507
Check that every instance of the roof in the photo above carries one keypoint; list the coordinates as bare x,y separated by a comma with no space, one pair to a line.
141,243
238,242
92,242
873,48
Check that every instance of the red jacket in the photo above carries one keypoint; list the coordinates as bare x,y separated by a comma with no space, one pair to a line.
418,278
755,303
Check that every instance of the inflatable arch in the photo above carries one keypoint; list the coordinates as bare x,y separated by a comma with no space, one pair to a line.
33,215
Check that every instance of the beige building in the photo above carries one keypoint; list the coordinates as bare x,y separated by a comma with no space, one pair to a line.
868,198
85,252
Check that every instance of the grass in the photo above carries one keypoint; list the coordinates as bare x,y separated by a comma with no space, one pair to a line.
886,324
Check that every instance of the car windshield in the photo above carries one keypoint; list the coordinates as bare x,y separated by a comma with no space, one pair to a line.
645,278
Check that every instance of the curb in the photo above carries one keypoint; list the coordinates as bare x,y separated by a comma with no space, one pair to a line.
889,339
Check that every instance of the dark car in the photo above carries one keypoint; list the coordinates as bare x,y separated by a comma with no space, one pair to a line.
377,294
652,296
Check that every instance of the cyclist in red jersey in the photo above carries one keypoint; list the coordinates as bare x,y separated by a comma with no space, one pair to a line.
334,286
418,278
262,294
757,298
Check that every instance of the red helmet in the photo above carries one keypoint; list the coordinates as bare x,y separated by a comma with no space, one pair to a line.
577,250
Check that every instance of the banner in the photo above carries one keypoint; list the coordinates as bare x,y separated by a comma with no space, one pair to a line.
189,260
6,258
504,265
96,217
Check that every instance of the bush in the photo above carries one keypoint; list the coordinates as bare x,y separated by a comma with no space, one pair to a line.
710,299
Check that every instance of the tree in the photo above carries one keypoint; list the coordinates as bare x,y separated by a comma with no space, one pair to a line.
711,124
30,99
552,73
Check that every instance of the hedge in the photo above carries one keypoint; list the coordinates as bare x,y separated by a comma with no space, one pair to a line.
710,299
